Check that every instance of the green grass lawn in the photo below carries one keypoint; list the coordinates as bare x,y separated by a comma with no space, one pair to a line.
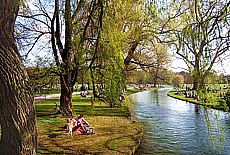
45,92
115,133
215,101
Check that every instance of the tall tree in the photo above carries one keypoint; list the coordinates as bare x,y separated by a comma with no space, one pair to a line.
203,36
17,110
143,28
91,44
160,57
62,23
137,29
106,64
71,54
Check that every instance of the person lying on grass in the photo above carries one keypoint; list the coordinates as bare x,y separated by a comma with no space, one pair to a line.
80,125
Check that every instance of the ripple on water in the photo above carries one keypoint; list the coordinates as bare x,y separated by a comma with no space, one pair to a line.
176,127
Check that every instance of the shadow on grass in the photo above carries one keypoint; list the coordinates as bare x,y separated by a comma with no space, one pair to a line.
82,106
102,110
52,135
48,110
114,135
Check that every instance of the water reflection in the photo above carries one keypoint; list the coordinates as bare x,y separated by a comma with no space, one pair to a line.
197,109
172,126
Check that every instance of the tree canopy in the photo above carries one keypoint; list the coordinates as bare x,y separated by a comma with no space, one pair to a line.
98,40
202,36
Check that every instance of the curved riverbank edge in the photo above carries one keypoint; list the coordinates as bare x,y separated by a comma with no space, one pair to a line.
195,101
141,132
190,101
138,141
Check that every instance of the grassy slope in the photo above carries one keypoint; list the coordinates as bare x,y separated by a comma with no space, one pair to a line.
115,133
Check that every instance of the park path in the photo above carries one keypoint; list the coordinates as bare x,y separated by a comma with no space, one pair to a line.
45,97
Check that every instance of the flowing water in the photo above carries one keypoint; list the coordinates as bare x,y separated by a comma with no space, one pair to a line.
173,126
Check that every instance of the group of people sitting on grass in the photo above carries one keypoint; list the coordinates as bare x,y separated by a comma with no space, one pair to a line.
78,125
83,93
191,94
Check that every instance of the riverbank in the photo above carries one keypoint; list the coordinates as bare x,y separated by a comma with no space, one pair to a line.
217,103
174,126
115,132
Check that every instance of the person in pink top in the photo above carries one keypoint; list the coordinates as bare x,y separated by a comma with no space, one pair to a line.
79,126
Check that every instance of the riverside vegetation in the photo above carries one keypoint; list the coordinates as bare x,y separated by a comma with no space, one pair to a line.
217,97
115,132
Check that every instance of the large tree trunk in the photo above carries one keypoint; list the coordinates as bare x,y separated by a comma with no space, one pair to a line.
67,80
195,84
199,82
66,97
17,110
69,76
202,86
130,54
196,74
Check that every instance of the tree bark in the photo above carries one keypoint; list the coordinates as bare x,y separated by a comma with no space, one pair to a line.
66,97
195,84
17,110
196,74
68,75
130,55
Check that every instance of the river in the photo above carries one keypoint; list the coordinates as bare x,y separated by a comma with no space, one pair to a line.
172,126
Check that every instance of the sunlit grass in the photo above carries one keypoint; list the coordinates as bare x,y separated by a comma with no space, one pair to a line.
215,101
115,133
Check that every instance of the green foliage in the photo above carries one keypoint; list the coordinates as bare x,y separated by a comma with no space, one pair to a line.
228,102
215,129
224,104
199,41
42,78
112,58
108,66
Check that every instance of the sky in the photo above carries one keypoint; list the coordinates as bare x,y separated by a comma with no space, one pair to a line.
178,64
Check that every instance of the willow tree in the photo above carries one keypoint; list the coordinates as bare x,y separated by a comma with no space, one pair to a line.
137,30
105,58
109,39
142,28
17,110
130,22
203,37
79,41
108,44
